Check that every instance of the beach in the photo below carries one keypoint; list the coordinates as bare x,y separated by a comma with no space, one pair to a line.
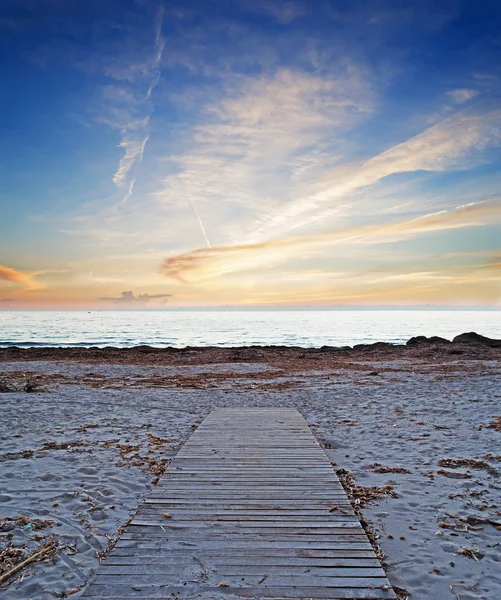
413,430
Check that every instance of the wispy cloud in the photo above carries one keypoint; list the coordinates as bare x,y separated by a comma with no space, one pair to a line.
271,171
453,144
263,138
400,284
134,150
284,11
131,109
24,280
208,263
461,95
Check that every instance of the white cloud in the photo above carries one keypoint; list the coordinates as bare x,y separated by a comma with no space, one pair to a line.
269,153
441,147
449,145
484,76
134,150
260,141
461,95
130,108
284,11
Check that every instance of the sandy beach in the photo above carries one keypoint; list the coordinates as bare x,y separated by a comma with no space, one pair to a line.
414,432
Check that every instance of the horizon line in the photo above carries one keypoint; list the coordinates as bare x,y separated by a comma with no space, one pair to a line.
236,308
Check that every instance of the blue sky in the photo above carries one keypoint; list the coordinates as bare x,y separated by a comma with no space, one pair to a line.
250,152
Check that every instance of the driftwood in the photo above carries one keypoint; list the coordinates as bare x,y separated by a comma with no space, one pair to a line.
48,548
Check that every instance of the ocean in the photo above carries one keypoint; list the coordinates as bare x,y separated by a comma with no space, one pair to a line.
308,328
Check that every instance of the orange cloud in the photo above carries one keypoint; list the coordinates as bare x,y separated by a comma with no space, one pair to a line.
22,279
212,262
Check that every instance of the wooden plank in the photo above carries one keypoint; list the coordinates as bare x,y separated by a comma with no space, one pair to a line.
235,498
246,560
239,553
180,592
249,498
245,487
287,547
198,504
245,526
242,515
252,580
230,572
246,503
249,480
187,534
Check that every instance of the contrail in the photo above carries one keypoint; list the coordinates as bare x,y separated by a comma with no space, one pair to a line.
197,216
134,143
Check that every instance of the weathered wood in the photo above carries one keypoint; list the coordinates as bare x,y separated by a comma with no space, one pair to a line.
246,502
125,550
246,541
305,580
198,504
180,592
262,545
283,535
216,512
223,560
231,571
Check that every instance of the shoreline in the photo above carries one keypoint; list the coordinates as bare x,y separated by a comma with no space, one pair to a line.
468,344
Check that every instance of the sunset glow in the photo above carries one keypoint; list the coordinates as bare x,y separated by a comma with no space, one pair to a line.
175,154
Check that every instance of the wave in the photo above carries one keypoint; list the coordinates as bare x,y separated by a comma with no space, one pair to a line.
100,344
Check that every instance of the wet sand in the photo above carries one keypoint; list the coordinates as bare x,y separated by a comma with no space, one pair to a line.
82,449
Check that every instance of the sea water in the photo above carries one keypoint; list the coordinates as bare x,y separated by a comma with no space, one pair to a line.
309,328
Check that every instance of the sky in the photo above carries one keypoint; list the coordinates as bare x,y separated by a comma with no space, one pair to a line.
250,153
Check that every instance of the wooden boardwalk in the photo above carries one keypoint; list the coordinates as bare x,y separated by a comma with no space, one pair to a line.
247,501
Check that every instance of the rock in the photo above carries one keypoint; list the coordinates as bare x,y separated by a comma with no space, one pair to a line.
476,338
422,339
376,346
418,339
435,339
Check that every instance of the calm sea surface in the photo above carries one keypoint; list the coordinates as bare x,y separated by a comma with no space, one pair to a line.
236,328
